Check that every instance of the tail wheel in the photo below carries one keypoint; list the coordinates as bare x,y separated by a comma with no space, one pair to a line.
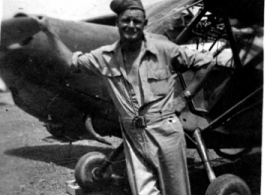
86,168
228,185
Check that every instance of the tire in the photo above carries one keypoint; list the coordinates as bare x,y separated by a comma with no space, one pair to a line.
228,185
85,168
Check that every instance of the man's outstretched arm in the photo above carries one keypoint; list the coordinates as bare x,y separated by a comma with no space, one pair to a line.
60,49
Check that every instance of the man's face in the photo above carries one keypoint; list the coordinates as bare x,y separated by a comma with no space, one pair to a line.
131,25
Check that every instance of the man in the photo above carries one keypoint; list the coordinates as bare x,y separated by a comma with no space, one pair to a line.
139,72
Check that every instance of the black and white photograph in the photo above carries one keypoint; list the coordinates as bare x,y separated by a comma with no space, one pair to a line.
131,97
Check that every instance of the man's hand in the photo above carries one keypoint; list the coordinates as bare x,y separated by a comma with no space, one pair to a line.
43,22
62,52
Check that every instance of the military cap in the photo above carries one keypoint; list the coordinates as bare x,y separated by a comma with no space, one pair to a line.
119,6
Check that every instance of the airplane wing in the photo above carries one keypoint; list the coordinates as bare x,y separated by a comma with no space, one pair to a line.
247,11
27,60
166,15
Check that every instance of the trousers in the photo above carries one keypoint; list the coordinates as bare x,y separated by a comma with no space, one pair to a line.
156,158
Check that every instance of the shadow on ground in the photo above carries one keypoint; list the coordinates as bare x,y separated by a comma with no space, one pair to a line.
62,155
247,168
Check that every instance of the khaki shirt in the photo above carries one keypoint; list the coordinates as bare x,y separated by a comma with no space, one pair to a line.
159,63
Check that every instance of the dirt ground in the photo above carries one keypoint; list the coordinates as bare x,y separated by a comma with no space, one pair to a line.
32,163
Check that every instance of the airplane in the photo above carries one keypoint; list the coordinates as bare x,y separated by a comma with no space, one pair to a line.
226,113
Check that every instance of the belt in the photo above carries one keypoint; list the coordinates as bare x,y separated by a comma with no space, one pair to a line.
142,120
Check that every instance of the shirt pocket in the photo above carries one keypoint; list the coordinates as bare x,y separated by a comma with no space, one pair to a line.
158,81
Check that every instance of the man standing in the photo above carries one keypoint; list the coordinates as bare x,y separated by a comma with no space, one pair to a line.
139,72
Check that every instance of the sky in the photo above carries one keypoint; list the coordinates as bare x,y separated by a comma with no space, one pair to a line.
61,9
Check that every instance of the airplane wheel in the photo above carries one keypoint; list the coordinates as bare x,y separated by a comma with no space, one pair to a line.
228,185
86,168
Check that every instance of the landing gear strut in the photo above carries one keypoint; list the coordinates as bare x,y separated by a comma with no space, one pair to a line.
226,184
94,169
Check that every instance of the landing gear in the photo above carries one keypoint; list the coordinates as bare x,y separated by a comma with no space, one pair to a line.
93,171
226,184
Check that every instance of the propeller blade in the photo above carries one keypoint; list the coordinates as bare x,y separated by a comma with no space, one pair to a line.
16,30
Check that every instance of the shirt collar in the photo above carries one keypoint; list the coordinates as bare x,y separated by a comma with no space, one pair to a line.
149,46
113,47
